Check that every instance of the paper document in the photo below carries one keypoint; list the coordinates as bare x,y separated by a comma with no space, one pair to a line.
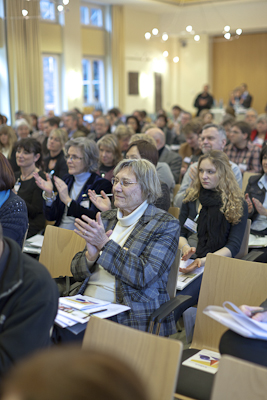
237,321
185,279
34,244
82,302
255,241
205,360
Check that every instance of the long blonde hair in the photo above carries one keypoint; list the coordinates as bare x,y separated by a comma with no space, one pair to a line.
231,195
12,138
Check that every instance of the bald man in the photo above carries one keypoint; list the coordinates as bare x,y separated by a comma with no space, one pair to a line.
174,160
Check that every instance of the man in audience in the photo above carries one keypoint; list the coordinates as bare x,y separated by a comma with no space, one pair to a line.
251,118
101,129
241,151
28,304
176,112
96,114
174,160
81,123
246,98
204,100
71,122
114,117
213,137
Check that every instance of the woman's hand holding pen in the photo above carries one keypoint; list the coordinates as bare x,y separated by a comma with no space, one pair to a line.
256,313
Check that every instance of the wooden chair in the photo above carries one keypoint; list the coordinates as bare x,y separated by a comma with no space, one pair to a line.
59,248
156,359
241,282
244,245
174,211
245,179
238,379
176,189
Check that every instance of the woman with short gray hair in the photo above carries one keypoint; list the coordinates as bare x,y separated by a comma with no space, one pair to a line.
71,201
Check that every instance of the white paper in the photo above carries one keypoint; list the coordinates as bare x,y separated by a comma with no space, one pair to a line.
36,240
185,279
205,360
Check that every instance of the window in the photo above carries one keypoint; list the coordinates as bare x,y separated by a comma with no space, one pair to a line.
93,82
91,15
51,83
47,10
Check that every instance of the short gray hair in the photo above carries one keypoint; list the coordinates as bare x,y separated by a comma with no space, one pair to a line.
89,149
146,176
219,128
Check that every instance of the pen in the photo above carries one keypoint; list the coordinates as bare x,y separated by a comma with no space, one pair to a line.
254,312
95,312
98,195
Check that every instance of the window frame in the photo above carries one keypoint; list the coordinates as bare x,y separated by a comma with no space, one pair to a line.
91,6
102,82
48,20
58,95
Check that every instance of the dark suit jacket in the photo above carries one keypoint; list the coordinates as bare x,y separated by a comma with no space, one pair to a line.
174,161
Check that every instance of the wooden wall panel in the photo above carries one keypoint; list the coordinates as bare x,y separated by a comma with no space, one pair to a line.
238,61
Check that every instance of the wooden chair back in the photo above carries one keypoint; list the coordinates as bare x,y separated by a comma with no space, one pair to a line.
176,189
174,211
238,379
245,179
173,275
156,359
244,245
59,248
238,281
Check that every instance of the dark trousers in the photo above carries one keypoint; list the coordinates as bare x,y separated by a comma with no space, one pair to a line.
191,290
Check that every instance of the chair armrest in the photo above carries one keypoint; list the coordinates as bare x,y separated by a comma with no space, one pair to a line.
251,256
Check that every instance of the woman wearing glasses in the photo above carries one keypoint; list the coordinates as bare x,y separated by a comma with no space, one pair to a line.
129,250
71,200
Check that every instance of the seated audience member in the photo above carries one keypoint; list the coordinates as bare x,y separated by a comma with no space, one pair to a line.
114,116
190,149
162,123
13,210
34,122
215,202
204,101
81,123
130,250
253,350
124,134
213,137
71,201
240,150
206,117
132,122
174,160
28,306
259,135
101,128
251,118
55,162
71,122
235,100
138,149
29,158
22,129
246,98
141,115
48,125
90,375
176,111
162,168
256,199
178,133
96,114
109,155
227,123
7,140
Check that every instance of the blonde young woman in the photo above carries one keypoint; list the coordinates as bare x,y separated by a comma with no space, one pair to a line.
109,155
215,209
7,140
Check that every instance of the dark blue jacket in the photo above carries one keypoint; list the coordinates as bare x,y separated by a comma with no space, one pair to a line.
56,211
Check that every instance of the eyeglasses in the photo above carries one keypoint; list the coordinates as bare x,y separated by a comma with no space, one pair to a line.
122,182
72,157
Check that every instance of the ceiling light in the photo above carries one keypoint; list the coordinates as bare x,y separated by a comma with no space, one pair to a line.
24,13
155,31
197,38
165,36
147,35
227,35
175,59
165,53
65,2
238,31
60,7
189,28
226,28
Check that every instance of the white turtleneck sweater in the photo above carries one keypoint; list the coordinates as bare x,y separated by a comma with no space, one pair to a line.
102,284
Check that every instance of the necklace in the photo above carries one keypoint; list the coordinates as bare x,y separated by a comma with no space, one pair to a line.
23,178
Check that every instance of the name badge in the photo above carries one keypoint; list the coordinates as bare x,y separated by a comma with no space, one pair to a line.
243,167
190,225
85,203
